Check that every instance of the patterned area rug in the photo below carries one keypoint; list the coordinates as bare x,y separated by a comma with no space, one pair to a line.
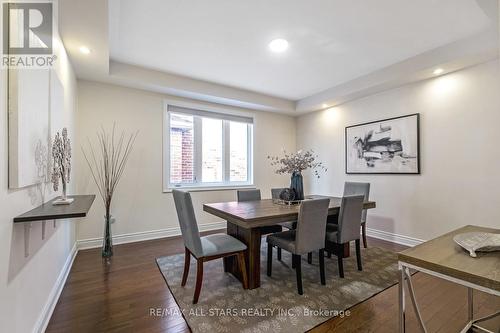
224,306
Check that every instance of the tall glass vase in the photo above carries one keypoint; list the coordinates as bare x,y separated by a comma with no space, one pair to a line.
297,184
107,244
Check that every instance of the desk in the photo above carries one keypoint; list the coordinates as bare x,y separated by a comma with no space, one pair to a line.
443,258
245,220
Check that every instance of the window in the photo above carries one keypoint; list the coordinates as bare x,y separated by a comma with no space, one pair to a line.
206,149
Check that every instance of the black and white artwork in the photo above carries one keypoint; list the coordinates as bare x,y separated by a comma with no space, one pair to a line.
389,146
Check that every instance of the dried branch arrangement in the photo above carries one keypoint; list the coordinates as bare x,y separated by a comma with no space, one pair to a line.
296,162
107,162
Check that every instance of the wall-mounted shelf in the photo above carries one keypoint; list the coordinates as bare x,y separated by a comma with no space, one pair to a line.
78,208
48,211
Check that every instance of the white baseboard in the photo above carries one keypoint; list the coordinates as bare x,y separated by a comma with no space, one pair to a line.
394,238
145,235
48,309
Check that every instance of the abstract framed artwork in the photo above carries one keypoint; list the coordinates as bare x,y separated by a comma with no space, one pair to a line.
389,146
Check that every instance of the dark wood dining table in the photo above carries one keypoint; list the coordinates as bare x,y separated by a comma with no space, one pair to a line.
248,221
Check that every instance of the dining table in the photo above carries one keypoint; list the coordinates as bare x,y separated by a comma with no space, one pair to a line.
249,220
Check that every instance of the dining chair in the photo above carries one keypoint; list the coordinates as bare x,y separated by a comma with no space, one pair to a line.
204,248
248,195
291,225
347,230
308,237
352,188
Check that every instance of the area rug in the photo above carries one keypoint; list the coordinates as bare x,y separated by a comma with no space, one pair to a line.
224,306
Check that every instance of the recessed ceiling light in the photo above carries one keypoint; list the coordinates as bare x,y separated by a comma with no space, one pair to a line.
438,71
84,50
324,105
278,45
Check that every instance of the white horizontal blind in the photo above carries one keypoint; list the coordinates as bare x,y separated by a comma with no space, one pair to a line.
209,114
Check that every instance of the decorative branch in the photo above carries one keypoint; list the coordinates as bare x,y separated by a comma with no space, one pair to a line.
107,162
61,160
296,162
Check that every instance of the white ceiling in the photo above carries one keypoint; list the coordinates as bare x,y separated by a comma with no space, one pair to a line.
331,41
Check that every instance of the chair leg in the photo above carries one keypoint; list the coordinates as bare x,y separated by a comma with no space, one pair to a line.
341,265
309,258
279,253
199,280
243,268
187,259
269,259
363,232
322,266
297,259
358,254
293,263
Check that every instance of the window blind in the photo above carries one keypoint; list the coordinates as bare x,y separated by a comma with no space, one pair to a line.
209,114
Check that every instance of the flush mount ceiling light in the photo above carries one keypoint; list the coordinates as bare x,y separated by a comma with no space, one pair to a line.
85,50
438,71
278,45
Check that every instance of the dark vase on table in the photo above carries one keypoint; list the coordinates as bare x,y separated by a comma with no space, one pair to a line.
297,184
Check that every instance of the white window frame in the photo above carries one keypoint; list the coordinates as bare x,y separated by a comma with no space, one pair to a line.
198,185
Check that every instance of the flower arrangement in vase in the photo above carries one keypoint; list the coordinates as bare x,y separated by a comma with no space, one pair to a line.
61,166
107,163
293,164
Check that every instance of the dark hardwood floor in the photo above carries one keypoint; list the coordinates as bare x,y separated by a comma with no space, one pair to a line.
117,296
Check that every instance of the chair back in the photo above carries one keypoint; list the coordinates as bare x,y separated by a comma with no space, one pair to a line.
275,192
248,195
311,225
187,221
350,218
352,188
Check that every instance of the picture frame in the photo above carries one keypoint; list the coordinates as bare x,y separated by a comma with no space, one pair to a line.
388,146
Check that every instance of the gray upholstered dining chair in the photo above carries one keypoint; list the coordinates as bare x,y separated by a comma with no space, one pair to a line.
291,225
346,230
248,195
204,248
352,188
309,236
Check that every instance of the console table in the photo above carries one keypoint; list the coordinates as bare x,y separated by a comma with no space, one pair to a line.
442,258
47,211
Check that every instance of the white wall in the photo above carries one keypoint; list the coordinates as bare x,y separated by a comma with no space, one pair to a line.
460,180
139,204
29,285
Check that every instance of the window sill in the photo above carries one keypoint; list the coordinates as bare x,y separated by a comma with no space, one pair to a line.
209,188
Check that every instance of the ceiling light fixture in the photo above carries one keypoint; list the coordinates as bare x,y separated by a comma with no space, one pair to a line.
278,45
324,106
84,50
438,71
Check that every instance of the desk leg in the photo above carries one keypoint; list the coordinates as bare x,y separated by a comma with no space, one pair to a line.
411,292
252,238
401,279
470,303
